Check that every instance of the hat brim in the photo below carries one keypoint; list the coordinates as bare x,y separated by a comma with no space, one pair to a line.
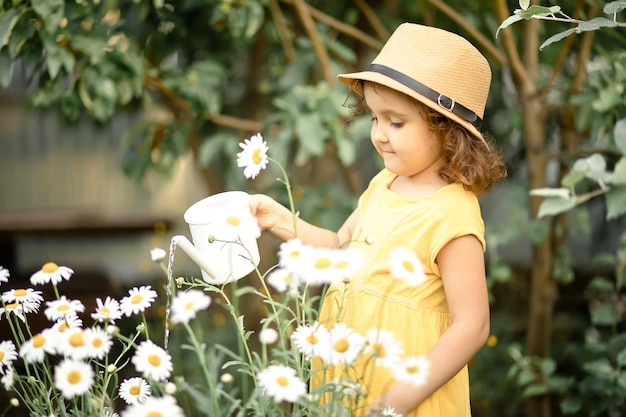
381,79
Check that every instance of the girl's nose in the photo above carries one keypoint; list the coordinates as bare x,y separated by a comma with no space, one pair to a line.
379,134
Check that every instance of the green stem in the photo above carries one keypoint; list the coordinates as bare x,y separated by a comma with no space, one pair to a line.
203,366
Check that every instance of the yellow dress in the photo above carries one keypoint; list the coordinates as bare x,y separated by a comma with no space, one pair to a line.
417,316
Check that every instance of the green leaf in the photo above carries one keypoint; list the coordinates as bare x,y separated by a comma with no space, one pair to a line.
552,192
535,390
621,358
614,7
537,10
7,23
556,38
551,206
508,22
571,405
621,380
57,57
619,172
619,135
6,68
615,202
51,12
604,314
595,24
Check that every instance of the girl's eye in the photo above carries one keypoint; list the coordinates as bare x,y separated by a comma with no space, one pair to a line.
397,125
374,119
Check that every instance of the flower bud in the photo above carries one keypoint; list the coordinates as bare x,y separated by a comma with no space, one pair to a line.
112,369
227,378
268,336
15,402
170,388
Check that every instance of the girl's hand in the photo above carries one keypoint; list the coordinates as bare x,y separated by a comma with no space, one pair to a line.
268,212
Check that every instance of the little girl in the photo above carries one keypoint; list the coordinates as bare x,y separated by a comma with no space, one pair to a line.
426,91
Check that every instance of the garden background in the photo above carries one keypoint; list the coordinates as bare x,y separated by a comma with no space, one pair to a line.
117,115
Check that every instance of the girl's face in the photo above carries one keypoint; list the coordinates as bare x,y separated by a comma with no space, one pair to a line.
401,134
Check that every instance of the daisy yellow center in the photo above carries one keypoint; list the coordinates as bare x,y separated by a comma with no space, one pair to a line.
341,345
97,342
189,306
282,381
154,360
76,340
38,341
412,369
154,414
12,306
256,156
322,263
50,267
63,327
104,311
74,377
341,265
295,254
233,220
63,307
380,350
134,390
312,339
1,356
408,266
20,293
136,299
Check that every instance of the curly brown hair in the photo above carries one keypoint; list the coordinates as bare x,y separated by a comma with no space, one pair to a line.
472,162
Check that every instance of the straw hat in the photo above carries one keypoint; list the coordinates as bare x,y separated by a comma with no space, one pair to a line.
439,68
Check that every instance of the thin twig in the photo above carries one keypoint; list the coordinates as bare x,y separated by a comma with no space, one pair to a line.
474,33
283,30
373,19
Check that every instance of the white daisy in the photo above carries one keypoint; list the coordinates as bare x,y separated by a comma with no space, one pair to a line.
152,361
268,336
19,309
107,311
282,280
134,390
137,300
35,349
348,261
98,342
165,406
72,344
313,340
281,383
107,412
7,354
405,265
292,253
253,157
415,369
63,307
186,305
389,412
157,254
346,344
73,377
67,323
4,274
384,346
22,295
8,378
51,272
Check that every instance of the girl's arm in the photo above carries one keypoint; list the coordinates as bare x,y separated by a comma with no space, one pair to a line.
462,267
278,219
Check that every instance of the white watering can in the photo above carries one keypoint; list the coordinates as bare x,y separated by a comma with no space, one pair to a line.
224,235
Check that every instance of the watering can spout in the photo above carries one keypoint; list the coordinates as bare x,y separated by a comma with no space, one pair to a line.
195,255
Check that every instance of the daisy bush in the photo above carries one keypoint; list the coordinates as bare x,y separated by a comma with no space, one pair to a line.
83,364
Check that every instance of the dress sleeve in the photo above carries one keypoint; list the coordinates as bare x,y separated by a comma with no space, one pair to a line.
455,217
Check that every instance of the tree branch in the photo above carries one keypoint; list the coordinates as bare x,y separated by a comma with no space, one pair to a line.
474,33
320,50
283,31
508,43
373,19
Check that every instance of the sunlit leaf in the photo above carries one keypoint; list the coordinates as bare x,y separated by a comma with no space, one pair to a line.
619,173
595,24
51,12
615,202
6,68
614,7
552,192
619,134
556,38
523,4
551,206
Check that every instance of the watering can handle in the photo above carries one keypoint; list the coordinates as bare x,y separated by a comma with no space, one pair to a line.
194,254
